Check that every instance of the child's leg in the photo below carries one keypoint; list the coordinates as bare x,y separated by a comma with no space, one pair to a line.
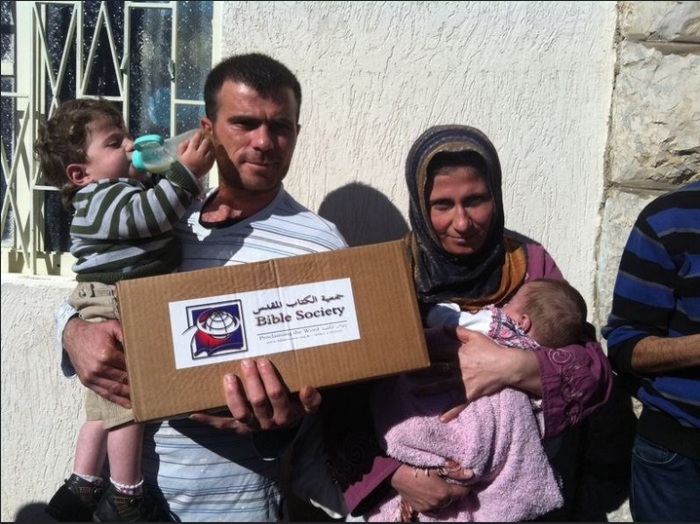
126,499
90,451
124,447
77,498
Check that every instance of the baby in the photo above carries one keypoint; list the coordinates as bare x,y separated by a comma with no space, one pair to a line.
497,436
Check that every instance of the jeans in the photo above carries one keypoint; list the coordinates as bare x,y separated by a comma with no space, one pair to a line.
665,485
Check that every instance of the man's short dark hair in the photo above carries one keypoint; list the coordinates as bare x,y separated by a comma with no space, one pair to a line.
256,70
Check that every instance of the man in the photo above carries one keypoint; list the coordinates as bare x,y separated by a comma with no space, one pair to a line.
252,107
653,335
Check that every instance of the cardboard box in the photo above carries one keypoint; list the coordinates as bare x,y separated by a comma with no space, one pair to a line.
322,319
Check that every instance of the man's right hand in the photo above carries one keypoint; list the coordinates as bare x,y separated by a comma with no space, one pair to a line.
95,350
427,490
260,400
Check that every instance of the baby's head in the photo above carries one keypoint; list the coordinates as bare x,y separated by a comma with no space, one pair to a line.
64,138
552,311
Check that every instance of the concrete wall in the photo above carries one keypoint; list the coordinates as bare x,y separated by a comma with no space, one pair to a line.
579,146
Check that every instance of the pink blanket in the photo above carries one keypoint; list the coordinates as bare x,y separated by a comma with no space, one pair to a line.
497,436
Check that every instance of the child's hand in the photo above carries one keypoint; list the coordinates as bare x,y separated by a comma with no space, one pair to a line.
198,153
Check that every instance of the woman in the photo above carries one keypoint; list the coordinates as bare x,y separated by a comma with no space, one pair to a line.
462,253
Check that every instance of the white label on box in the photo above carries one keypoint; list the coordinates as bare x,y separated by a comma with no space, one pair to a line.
256,323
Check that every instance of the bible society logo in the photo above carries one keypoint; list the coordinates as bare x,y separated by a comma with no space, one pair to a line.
217,329
223,328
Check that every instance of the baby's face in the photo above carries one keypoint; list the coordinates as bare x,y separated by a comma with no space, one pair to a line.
109,149
515,308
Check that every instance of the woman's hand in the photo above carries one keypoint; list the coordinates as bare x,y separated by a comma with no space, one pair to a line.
426,490
260,400
485,368
95,350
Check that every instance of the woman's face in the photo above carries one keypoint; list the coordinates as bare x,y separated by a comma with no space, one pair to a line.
461,209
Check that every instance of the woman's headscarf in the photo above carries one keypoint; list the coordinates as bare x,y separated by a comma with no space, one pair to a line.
486,277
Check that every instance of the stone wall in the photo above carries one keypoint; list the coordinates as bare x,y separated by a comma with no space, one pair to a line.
653,147
654,142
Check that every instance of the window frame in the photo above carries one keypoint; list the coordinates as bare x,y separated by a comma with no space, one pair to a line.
23,207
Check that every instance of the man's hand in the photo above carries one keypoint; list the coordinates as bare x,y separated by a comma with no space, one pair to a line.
95,350
259,400
427,490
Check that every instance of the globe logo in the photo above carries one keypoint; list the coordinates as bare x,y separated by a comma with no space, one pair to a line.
217,323
216,329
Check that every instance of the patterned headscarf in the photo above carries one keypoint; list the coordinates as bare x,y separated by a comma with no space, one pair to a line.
487,277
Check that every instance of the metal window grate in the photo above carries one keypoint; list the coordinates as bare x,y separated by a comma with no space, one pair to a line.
149,57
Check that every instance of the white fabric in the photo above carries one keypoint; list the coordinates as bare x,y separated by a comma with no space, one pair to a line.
449,314
284,228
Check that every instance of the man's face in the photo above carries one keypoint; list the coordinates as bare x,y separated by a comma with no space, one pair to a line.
255,136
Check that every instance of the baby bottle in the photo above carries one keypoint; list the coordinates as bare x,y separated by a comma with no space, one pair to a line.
154,154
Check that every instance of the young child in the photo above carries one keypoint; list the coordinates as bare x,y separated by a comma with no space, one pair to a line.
498,436
121,229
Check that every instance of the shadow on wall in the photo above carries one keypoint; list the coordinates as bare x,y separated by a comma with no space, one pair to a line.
363,215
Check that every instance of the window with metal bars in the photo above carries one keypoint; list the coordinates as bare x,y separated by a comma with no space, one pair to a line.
149,58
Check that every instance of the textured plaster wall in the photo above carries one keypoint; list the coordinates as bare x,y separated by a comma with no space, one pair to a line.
535,76
41,411
590,124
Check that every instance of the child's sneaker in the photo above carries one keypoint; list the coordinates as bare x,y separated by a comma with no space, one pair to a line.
75,501
115,506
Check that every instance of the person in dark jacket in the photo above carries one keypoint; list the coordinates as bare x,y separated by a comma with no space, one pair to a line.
653,334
